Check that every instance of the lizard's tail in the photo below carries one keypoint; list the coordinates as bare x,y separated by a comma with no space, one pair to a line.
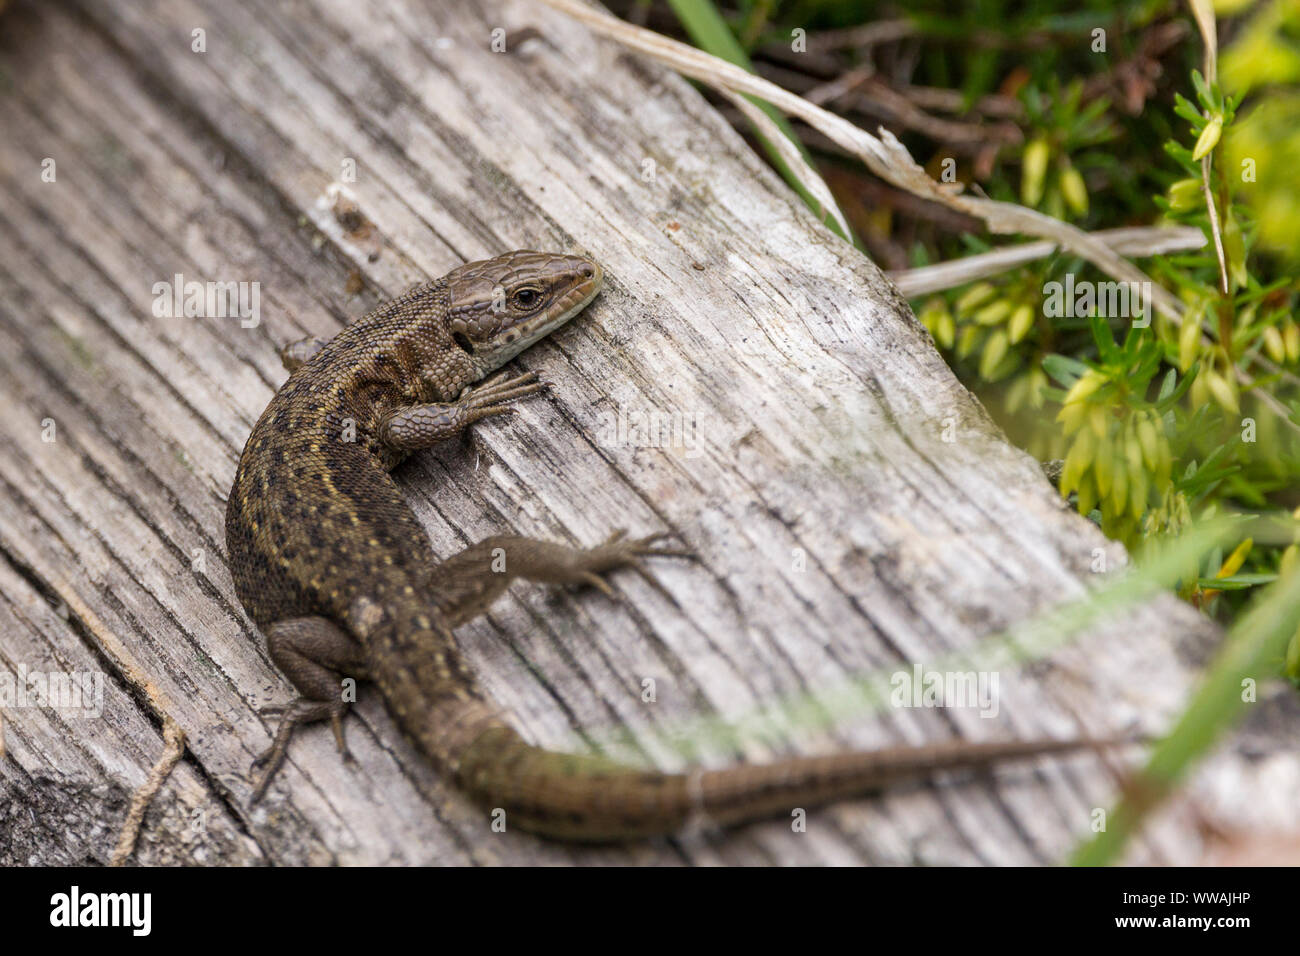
586,798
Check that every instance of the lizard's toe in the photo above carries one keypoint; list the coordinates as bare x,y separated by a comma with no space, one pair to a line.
646,547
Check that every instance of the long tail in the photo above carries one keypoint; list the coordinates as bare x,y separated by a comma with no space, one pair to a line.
584,798
436,700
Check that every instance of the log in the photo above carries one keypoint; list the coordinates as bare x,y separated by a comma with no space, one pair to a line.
853,507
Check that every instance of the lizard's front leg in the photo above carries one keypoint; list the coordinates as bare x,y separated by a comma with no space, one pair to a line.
466,583
413,427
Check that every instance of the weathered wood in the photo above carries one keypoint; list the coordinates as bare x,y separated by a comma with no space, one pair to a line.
819,403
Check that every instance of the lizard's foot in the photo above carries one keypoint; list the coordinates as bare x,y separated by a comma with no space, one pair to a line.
466,583
490,396
413,427
620,551
301,711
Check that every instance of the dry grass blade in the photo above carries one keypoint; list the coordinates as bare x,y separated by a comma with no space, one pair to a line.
1137,241
811,180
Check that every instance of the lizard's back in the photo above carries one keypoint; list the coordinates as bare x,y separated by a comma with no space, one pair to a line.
314,519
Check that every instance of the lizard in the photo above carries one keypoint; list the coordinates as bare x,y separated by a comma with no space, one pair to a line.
334,568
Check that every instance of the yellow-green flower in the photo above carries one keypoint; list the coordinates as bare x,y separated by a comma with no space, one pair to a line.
1033,171
1208,139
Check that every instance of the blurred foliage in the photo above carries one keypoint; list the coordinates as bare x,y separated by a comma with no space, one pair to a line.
1264,58
1095,114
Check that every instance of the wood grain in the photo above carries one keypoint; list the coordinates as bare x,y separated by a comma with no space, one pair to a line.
838,531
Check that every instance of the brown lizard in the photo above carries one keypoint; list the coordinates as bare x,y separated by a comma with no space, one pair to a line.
337,572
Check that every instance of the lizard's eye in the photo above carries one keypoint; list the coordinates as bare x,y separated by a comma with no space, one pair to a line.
527,297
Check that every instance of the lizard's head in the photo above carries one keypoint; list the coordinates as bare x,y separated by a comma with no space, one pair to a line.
498,307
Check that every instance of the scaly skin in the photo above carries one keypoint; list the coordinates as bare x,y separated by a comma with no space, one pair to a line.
332,565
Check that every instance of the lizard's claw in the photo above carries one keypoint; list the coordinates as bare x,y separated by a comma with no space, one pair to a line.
301,711
500,388
268,761
491,396
336,724
262,759
620,551
498,380
597,582
644,546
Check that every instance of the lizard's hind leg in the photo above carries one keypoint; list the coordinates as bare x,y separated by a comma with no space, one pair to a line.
316,655
466,583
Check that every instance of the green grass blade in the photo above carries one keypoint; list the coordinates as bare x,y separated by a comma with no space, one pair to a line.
1254,651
